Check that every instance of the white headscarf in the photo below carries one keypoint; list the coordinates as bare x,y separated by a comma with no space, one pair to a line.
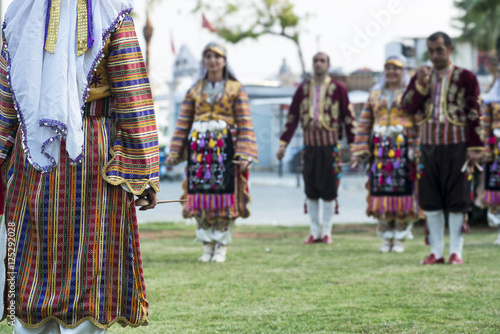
493,94
50,89
405,78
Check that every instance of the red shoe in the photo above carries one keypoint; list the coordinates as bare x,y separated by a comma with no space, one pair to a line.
310,240
327,239
431,259
454,259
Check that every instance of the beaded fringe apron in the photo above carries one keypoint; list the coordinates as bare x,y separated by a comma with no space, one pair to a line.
210,172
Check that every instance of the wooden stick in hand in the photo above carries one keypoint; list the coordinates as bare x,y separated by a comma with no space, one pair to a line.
142,201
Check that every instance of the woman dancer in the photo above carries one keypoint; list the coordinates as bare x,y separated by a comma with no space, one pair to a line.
491,124
214,133
78,139
387,137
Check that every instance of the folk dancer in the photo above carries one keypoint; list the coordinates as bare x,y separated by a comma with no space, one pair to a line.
447,98
491,125
215,134
78,139
388,137
322,107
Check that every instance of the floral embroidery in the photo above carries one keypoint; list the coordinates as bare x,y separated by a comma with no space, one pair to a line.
96,79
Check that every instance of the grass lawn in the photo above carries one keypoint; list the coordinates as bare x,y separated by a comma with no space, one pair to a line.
273,284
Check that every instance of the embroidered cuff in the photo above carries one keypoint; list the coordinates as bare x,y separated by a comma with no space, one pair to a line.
283,143
173,154
422,89
475,148
243,157
362,153
125,187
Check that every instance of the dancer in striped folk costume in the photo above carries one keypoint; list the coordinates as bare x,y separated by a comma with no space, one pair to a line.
78,140
323,109
491,125
214,133
447,99
388,136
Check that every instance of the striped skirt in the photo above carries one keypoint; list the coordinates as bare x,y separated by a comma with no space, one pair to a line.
77,254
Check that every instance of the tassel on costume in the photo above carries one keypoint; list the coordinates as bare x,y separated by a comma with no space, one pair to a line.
465,224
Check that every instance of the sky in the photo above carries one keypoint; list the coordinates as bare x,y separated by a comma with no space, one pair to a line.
352,32
334,27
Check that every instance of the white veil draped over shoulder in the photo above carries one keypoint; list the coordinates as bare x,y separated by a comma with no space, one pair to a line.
50,89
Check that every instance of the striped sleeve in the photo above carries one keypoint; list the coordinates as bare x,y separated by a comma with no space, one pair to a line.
178,148
8,114
246,144
135,146
361,145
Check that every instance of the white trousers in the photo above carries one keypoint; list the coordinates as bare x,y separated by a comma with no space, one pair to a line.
435,224
325,228
53,327
212,234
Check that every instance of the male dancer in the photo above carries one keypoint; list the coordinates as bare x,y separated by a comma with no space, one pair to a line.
447,97
322,107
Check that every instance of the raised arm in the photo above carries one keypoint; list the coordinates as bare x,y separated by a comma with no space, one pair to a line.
415,95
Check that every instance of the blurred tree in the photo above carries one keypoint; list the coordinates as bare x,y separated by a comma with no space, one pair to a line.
480,22
236,20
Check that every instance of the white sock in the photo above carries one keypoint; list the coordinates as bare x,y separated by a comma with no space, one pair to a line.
404,234
388,233
455,222
435,225
328,207
313,209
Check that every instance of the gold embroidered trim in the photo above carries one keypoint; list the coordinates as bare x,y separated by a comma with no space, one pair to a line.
55,12
82,27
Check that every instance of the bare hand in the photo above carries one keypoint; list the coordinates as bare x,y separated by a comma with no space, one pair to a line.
150,194
356,160
281,152
243,165
474,157
172,161
487,158
423,74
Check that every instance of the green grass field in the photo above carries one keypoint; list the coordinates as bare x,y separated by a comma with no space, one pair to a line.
273,284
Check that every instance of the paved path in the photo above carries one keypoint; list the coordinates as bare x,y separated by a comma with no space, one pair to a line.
275,200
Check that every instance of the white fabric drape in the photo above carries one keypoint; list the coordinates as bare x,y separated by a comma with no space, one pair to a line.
50,89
